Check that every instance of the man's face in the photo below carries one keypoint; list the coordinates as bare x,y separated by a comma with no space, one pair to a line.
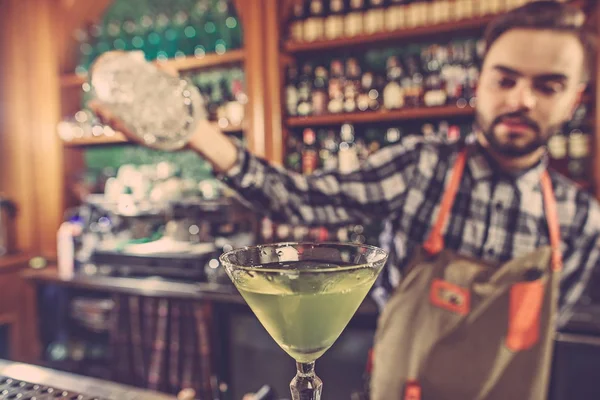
530,83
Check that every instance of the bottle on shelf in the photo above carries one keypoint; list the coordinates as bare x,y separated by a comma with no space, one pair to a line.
395,15
334,22
291,90
579,155
336,87
351,84
374,19
319,92
310,157
348,160
296,27
314,24
305,83
354,20
393,93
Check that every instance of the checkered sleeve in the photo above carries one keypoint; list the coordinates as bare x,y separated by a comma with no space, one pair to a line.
582,260
326,198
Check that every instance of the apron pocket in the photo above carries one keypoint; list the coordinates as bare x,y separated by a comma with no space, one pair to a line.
525,307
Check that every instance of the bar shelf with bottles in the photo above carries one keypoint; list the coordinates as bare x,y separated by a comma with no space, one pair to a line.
430,81
318,25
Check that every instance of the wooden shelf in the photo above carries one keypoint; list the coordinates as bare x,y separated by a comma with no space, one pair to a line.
425,31
381,116
119,138
181,64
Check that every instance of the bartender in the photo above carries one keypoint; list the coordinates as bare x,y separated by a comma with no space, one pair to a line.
490,203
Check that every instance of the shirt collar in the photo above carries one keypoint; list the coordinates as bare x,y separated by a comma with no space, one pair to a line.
482,167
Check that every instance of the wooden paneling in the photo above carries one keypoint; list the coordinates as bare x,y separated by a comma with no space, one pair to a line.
30,153
254,44
274,83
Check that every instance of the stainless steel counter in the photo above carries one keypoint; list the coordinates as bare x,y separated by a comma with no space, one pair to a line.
94,388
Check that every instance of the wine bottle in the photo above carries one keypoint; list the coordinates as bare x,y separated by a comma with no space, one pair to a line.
291,90
347,156
354,24
395,15
352,84
310,157
434,95
296,31
375,16
413,84
336,87
314,24
393,93
579,150
319,91
304,90
334,22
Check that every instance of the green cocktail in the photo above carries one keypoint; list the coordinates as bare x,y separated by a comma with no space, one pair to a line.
304,295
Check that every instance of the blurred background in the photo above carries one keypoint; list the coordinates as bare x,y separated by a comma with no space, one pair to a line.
109,251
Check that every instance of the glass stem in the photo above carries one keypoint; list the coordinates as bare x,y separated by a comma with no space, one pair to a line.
306,385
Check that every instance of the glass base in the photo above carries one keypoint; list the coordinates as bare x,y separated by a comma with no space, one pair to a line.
306,385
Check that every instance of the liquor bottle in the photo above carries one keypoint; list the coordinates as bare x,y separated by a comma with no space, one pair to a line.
310,157
198,20
351,84
434,95
392,136
319,91
336,87
558,150
354,23
366,84
374,20
334,22
225,97
328,150
413,82
291,90
393,93
224,40
314,24
296,31
395,15
471,73
304,90
293,159
347,156
579,151
235,108
232,22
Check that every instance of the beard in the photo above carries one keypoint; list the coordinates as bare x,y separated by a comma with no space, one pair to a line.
511,150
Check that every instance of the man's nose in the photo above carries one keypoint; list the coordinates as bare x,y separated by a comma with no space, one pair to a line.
522,96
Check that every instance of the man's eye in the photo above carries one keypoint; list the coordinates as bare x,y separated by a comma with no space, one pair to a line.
549,88
506,83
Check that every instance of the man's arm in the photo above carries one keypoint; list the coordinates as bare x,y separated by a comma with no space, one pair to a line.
329,198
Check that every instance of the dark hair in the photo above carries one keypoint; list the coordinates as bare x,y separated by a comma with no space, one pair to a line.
546,15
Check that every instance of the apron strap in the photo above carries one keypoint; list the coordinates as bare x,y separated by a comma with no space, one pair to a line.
435,242
552,219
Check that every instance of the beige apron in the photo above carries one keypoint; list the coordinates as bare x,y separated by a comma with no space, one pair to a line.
459,329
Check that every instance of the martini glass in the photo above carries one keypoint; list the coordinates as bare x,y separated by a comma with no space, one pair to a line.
304,294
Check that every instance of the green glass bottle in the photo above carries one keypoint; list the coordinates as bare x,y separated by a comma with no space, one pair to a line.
199,41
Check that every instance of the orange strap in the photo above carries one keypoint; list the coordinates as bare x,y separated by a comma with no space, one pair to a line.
435,243
552,218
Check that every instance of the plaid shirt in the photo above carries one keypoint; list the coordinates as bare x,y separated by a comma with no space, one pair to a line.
495,217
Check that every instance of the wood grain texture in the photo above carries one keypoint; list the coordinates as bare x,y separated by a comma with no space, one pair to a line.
274,84
254,40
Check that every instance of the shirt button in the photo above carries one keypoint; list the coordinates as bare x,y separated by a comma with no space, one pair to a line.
491,252
499,206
